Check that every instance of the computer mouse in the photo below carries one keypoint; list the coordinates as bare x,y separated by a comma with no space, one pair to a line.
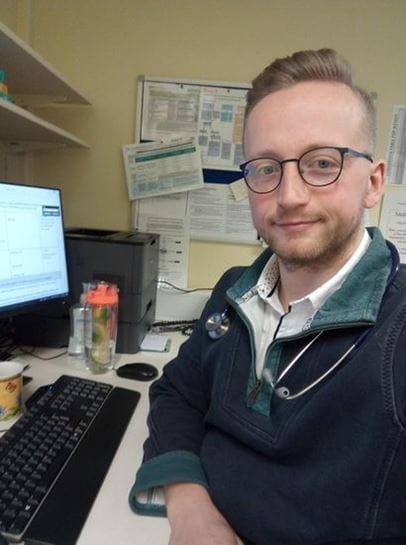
137,371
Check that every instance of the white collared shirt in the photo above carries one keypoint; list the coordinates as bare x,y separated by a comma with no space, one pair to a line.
267,314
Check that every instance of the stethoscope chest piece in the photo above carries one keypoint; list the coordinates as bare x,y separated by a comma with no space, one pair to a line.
282,392
217,325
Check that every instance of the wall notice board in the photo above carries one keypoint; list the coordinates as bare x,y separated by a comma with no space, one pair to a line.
213,113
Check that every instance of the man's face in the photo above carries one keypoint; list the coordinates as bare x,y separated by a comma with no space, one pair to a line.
305,225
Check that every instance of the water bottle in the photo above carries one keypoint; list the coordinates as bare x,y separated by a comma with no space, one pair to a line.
101,313
76,346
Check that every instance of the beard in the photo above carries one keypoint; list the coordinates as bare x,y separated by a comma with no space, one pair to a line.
326,244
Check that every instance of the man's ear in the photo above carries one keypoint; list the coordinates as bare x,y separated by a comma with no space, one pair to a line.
376,184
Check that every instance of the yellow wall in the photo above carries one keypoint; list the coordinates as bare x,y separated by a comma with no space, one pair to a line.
8,13
102,46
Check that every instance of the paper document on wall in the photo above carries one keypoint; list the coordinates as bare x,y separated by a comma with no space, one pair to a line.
396,156
167,216
393,219
159,168
239,190
215,214
211,213
221,120
214,113
168,109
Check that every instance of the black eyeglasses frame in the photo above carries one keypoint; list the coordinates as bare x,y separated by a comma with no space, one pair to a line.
341,150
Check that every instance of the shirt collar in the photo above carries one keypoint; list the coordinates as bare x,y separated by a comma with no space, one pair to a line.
269,278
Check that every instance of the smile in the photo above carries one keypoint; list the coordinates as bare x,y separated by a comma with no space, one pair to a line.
299,225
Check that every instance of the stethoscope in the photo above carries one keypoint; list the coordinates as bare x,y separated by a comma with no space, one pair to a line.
218,324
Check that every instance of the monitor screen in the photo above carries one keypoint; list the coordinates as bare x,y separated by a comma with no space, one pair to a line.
32,248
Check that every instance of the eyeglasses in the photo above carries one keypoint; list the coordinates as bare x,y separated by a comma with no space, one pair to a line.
317,167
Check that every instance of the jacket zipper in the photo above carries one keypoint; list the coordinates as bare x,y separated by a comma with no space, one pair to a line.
235,304
252,395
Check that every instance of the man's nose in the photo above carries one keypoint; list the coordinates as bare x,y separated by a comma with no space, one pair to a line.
292,191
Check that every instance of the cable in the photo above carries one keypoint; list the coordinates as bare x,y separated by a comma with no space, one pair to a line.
175,325
182,289
8,348
31,353
187,331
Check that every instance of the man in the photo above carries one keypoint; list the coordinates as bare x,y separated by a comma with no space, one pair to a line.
290,427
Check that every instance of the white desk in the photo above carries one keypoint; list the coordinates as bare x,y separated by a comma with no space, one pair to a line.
111,521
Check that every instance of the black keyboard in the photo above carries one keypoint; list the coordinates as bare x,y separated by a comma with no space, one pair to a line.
54,459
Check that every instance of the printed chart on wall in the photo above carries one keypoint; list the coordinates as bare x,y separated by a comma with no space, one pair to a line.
212,111
393,219
167,216
159,168
396,157
393,211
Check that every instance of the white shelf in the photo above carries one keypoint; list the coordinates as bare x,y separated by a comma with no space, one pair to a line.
18,126
32,80
27,73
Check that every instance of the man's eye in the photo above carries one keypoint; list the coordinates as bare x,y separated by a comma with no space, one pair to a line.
324,163
266,170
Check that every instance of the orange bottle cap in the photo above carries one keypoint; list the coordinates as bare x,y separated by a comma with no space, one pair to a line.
103,294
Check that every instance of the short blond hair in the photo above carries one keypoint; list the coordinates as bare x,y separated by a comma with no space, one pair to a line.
311,65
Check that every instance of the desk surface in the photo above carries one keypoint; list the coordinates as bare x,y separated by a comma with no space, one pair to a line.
111,520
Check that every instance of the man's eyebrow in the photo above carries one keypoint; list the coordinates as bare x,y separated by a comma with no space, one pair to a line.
274,155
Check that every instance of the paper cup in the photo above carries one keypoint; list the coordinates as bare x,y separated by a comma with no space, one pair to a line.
11,385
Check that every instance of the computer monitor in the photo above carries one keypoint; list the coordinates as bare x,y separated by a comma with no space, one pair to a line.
33,270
